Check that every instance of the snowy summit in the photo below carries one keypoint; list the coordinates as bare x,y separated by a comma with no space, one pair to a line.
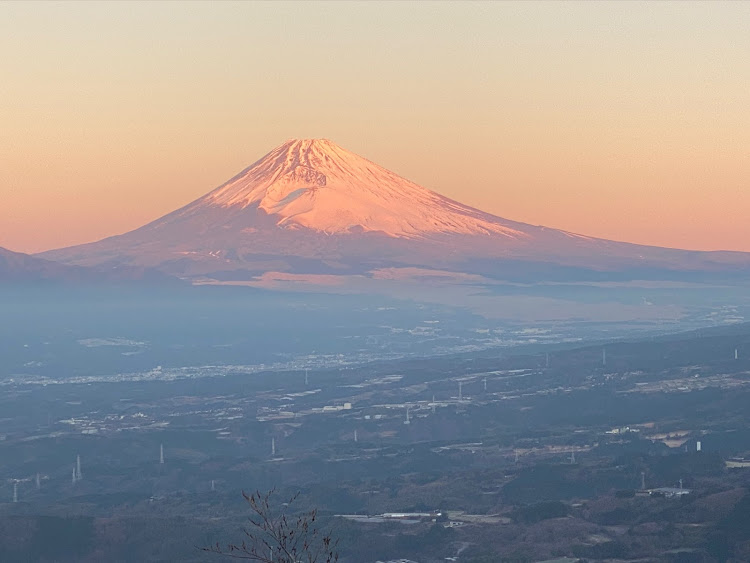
316,184
312,207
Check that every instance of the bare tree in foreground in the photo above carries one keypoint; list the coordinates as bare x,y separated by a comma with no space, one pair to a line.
277,538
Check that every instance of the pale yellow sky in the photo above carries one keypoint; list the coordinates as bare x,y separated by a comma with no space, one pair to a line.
623,120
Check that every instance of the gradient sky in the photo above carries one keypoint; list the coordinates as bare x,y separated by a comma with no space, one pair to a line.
623,120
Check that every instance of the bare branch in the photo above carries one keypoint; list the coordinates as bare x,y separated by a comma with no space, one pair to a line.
278,538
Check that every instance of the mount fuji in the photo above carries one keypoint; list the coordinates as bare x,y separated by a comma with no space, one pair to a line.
312,208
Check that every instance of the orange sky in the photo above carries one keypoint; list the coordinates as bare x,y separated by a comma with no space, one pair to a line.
623,120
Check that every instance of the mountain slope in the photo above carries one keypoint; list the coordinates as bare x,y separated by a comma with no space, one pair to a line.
16,267
312,207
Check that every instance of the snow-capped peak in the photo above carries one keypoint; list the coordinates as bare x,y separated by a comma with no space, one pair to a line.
316,184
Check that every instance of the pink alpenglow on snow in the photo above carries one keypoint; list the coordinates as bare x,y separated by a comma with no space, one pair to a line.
315,183
311,207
